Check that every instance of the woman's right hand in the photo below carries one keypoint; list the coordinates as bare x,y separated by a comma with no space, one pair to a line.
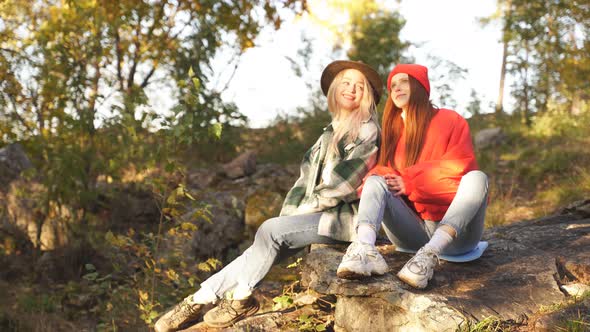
395,184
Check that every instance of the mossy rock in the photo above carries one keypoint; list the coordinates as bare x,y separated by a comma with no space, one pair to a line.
262,206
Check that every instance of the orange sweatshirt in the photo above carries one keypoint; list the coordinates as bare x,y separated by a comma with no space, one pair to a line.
447,155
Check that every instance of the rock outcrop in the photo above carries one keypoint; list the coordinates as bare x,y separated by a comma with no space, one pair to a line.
488,137
243,165
515,278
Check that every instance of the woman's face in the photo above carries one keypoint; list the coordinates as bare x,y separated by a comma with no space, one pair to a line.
400,90
349,91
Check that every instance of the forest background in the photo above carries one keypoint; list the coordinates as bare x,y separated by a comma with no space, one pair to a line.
62,63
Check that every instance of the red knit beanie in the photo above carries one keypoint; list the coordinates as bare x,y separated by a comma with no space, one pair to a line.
416,71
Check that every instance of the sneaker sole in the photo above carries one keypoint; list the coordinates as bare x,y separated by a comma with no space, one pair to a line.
162,325
348,273
353,275
248,313
412,283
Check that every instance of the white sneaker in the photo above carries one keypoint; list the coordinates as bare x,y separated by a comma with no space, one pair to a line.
419,269
361,260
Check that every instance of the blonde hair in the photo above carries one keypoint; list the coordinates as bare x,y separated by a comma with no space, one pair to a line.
349,123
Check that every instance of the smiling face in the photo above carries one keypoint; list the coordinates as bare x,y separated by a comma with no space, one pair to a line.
400,90
349,92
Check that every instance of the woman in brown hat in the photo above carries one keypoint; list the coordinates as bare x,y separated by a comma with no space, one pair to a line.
318,209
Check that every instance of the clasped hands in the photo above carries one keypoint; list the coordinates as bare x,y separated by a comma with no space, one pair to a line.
395,184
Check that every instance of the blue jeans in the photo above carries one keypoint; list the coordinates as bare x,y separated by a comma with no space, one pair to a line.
406,229
275,239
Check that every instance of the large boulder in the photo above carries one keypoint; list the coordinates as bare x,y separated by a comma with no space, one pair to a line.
243,165
261,206
217,215
489,137
226,223
202,178
515,278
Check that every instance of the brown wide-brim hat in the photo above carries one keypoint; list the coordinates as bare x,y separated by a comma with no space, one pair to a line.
339,65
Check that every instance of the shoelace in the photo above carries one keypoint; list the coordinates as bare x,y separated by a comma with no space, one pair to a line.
423,261
185,308
226,304
356,250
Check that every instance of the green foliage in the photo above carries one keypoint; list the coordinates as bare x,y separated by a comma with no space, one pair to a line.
375,39
46,303
282,302
573,313
533,174
560,123
310,323
154,280
286,299
575,325
194,119
579,323
488,324
474,107
576,187
295,264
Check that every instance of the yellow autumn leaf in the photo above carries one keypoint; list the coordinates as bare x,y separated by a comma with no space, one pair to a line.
143,296
172,275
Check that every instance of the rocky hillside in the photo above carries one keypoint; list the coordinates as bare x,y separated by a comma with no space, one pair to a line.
534,276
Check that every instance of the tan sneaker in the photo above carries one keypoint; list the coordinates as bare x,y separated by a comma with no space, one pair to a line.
230,311
419,270
181,314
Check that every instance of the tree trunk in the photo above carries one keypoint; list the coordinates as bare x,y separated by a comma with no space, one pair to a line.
526,112
500,101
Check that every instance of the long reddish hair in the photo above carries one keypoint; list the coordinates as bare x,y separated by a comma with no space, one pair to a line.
418,116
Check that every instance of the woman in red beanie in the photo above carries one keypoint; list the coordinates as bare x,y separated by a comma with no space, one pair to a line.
426,189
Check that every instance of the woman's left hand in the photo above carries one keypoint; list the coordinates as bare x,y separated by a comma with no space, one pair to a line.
395,183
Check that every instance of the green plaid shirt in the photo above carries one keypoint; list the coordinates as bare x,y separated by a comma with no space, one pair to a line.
328,182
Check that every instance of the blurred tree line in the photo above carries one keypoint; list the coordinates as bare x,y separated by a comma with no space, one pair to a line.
74,76
547,52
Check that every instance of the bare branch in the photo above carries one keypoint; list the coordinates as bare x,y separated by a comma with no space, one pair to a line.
119,59
133,69
147,78
157,17
238,56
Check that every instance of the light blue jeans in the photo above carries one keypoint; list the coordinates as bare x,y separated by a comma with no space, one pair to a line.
276,238
406,229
